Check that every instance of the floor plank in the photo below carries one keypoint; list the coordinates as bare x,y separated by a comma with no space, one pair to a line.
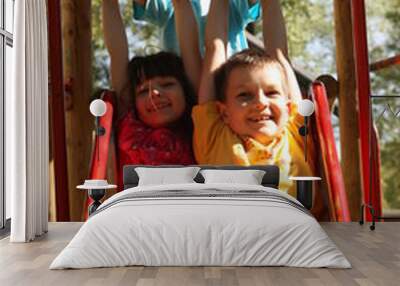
374,255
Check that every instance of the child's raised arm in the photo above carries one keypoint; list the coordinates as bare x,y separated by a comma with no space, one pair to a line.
215,44
188,37
293,85
275,43
274,30
117,46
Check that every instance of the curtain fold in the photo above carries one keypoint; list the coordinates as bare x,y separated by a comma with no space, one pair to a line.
27,140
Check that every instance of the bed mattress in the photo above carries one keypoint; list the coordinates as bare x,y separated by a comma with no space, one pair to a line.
201,225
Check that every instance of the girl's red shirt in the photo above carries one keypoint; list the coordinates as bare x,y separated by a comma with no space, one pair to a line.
143,145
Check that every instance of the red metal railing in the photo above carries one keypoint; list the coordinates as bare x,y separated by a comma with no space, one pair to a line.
363,92
333,172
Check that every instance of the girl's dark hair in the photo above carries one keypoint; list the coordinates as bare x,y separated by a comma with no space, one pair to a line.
164,64
245,58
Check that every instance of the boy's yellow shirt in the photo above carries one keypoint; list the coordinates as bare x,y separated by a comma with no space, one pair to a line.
215,143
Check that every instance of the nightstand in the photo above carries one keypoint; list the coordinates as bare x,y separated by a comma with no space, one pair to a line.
96,191
304,189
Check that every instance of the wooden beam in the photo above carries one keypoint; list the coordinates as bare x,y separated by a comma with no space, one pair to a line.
348,113
385,63
77,39
56,101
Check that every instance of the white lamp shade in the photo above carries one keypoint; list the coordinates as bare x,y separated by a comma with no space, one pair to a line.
305,107
98,107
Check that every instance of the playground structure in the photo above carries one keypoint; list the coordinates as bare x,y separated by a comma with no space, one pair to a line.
368,171
322,131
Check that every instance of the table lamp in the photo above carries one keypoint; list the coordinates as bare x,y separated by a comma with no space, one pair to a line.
98,108
305,108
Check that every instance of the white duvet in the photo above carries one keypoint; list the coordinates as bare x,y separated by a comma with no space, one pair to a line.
185,230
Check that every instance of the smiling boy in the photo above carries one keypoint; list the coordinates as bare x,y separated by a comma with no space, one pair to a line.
247,111
252,121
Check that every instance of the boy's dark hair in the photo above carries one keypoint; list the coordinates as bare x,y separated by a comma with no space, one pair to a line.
163,64
245,58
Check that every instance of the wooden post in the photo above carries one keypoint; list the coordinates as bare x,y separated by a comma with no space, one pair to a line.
348,113
76,26
56,112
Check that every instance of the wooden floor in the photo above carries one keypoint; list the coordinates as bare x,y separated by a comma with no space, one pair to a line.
375,257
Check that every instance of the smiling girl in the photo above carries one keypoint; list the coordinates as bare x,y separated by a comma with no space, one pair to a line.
154,100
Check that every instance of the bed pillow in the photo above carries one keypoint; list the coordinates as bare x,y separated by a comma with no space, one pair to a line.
248,177
166,176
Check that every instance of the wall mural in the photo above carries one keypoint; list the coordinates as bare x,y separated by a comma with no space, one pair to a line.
187,89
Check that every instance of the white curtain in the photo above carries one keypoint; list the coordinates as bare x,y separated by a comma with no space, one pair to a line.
27,123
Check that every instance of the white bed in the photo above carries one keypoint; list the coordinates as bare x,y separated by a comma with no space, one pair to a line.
201,224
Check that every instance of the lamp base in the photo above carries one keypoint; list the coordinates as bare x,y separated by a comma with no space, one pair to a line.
304,193
96,195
